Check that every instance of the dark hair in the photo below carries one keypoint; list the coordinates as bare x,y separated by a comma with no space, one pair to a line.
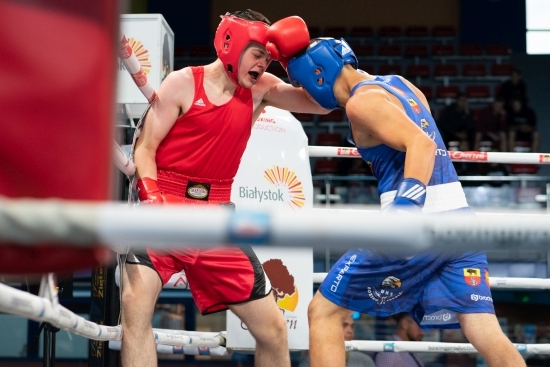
249,14
515,70
399,316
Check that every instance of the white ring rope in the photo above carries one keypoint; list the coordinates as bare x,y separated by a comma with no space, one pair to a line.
43,309
122,161
481,157
176,349
30,222
128,168
46,309
433,347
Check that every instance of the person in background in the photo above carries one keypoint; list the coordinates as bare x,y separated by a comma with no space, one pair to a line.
457,124
353,358
522,127
491,126
407,330
513,88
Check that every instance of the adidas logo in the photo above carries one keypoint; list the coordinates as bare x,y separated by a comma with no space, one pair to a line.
345,49
200,102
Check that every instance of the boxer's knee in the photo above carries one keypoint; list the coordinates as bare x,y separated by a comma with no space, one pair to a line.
321,309
139,294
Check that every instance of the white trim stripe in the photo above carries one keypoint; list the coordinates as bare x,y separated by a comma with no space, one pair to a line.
410,191
439,198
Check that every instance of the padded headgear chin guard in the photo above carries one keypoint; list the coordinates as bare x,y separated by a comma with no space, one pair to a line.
318,67
232,37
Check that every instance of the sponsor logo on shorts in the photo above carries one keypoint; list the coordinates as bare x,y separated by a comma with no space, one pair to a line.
544,158
388,291
478,297
389,347
434,317
197,190
472,276
340,275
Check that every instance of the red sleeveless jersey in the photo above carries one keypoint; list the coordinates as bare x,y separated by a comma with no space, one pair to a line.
208,141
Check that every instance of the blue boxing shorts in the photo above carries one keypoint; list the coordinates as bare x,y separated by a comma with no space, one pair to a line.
432,287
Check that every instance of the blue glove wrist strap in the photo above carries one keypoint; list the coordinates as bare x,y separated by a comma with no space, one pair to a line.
413,190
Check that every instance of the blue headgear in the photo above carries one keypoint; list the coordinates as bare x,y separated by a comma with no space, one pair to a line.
329,56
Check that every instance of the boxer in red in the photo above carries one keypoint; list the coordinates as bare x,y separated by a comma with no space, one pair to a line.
188,151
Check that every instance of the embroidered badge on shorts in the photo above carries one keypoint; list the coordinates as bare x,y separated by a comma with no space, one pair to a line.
472,276
389,290
197,190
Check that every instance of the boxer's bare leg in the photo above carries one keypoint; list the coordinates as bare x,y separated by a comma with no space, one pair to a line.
326,334
141,287
485,334
268,326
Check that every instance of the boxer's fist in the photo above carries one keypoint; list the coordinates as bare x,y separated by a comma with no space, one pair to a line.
149,193
286,37
409,199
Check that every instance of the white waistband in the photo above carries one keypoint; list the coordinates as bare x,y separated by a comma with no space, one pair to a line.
439,198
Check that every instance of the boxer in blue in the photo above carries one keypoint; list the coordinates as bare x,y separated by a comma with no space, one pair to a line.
395,133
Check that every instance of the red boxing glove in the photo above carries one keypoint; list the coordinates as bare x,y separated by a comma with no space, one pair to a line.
286,37
149,193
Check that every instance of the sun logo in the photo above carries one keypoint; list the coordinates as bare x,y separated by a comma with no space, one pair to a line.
282,176
282,282
141,53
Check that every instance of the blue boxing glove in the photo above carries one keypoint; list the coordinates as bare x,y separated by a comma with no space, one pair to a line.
410,197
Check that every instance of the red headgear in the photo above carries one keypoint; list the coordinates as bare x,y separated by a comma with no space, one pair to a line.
232,37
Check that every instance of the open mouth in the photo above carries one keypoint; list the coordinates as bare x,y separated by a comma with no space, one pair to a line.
255,75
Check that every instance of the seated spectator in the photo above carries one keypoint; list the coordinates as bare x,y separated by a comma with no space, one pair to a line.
457,124
513,88
491,127
522,127
353,358
407,330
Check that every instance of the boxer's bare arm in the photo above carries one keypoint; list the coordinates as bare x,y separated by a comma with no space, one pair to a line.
274,92
373,113
172,101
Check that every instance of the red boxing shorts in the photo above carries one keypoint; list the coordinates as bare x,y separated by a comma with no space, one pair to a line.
217,277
